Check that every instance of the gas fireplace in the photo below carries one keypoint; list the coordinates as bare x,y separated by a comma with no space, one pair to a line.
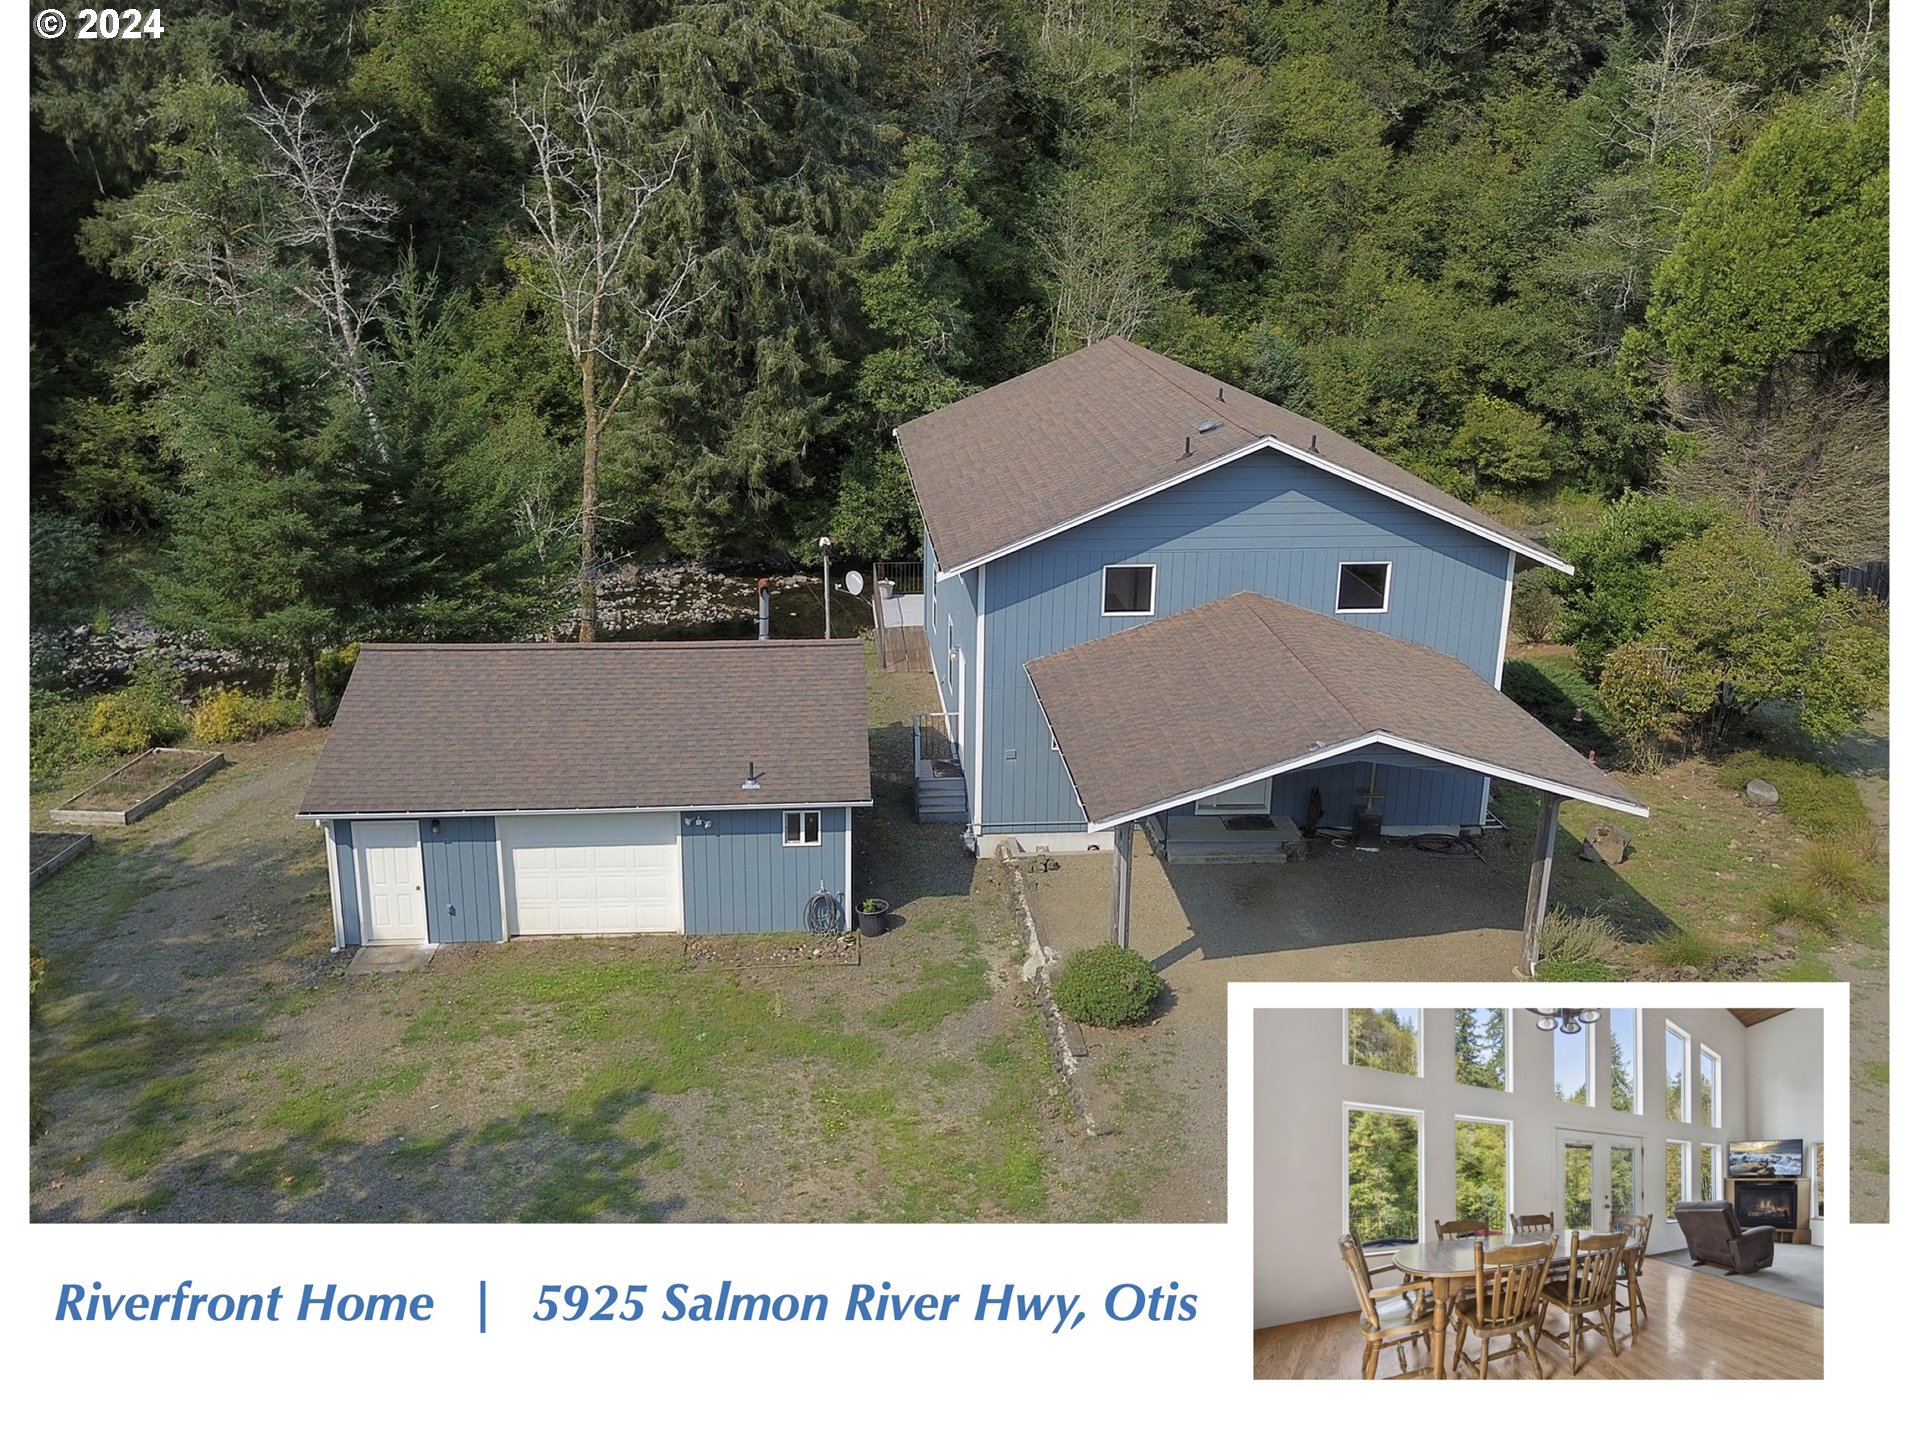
1767,1202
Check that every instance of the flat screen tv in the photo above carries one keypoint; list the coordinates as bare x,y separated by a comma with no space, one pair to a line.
1748,1159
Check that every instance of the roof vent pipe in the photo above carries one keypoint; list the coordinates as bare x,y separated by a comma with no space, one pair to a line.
1189,444
766,613
1313,444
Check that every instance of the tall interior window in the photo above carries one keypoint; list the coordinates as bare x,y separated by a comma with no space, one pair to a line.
1677,1108
1127,590
1480,1048
1623,1041
1363,588
1570,1054
1709,1173
1820,1178
1383,1175
1384,1040
1708,1112
1481,1150
1676,1174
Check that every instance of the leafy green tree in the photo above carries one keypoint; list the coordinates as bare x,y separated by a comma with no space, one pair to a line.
1480,1173
1741,624
1789,255
1480,1048
1383,1176
1616,562
1383,1040
1500,444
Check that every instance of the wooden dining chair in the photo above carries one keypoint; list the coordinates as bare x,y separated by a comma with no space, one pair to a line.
1379,1264
1460,1229
1519,1225
1628,1295
1389,1314
1505,1300
1585,1291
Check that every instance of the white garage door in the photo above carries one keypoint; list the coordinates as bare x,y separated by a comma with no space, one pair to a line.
592,874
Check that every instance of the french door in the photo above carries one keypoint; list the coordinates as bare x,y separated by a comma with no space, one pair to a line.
1599,1177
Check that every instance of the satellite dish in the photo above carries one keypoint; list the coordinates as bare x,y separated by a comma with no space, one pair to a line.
854,582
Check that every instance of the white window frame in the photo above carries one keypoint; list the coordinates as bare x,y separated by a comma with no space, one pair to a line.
1153,589
1702,1054
1506,1067
1686,1174
1218,805
1704,1150
1419,1043
1386,589
786,829
1633,1051
1687,1077
1506,1125
1347,1107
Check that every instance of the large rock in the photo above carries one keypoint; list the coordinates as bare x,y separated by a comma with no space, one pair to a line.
1762,793
1608,842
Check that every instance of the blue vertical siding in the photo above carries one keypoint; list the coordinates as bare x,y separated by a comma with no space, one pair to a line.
461,869
347,876
1267,523
738,877
953,614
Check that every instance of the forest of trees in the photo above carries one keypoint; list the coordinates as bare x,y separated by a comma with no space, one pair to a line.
409,318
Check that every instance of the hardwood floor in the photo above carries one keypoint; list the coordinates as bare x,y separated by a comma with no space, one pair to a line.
1702,1327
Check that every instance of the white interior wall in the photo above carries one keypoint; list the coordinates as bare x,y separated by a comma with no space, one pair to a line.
1301,1082
1784,1100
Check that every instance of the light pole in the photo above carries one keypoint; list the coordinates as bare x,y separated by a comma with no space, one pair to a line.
826,583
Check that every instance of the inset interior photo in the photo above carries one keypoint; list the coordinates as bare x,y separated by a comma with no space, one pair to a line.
1496,1193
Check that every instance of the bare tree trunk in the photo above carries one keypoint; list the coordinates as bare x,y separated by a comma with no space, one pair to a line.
589,504
309,690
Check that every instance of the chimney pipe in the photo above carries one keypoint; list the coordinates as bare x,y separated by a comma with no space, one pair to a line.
766,613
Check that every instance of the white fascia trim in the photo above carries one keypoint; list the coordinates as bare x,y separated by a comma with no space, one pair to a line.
977,759
1107,509
333,884
1380,737
1311,457
592,810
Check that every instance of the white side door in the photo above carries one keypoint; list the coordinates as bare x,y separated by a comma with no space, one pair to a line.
393,907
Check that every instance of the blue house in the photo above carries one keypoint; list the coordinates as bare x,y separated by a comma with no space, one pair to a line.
1345,672
479,792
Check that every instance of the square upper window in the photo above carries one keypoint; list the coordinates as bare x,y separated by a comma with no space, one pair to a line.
1127,590
1363,587
803,827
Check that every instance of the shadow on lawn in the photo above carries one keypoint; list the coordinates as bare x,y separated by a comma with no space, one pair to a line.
548,1166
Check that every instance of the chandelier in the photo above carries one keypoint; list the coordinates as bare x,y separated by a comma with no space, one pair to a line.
1567,1022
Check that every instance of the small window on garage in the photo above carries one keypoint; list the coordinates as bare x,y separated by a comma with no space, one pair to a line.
1127,590
803,827
1363,587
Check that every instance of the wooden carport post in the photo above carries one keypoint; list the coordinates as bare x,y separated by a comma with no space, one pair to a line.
1122,880
1538,878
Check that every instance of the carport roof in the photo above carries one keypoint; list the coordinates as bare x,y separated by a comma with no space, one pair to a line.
1227,693
494,729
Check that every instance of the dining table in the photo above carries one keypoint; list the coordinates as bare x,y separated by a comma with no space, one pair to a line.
1448,1265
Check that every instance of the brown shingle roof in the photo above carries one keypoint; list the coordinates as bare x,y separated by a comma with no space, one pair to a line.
1183,706
1100,426
489,729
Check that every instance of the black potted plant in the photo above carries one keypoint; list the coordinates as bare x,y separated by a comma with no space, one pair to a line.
873,917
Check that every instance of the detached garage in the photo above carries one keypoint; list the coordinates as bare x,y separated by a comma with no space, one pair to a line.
478,792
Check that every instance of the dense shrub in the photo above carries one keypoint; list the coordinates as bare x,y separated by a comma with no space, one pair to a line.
1536,608
1107,986
331,673
1576,947
226,715
1820,802
1639,696
58,739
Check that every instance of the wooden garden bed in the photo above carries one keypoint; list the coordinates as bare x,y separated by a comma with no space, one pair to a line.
51,851
139,787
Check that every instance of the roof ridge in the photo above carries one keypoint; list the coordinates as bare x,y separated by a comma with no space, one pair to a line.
560,647
1144,357
1263,614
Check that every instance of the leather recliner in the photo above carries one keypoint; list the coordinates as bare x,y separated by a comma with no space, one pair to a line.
1714,1237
